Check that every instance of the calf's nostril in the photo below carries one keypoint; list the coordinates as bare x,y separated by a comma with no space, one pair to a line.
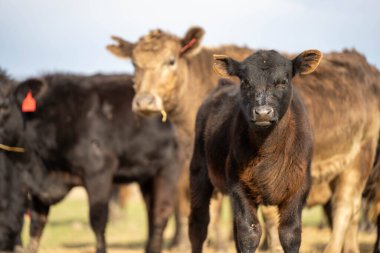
257,112
269,111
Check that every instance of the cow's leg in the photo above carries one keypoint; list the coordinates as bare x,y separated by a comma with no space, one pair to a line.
351,244
164,195
342,205
182,210
365,165
216,212
327,209
200,194
235,235
271,220
290,227
38,218
248,229
99,188
18,243
377,243
346,201
146,188
177,223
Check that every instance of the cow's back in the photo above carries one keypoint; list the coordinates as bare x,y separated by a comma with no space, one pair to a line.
341,97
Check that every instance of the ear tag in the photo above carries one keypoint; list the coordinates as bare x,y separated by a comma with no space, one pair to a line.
29,103
187,46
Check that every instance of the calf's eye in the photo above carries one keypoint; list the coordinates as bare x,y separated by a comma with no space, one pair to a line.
281,82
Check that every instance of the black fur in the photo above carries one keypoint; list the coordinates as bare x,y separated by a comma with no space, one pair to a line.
257,158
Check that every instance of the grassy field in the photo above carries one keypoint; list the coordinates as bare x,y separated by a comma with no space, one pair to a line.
68,230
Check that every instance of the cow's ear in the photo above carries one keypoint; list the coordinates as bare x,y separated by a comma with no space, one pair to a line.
306,62
226,66
191,43
37,88
122,48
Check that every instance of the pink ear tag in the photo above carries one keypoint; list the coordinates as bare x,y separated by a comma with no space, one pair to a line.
187,46
29,103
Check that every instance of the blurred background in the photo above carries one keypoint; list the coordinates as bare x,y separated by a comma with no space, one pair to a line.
69,35
39,36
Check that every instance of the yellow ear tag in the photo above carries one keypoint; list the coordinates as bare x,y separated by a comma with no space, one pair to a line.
164,116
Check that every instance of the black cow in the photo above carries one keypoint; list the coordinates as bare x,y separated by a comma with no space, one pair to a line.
12,192
83,132
254,142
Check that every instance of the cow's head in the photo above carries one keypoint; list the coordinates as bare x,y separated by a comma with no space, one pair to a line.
12,97
159,59
266,87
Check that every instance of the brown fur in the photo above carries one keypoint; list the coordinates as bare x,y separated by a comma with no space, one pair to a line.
342,100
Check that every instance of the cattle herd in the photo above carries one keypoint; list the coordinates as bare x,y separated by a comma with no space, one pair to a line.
272,131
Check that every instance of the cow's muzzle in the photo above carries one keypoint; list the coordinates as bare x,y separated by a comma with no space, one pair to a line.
147,104
263,116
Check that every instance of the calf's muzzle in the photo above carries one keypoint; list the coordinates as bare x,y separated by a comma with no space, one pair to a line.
263,115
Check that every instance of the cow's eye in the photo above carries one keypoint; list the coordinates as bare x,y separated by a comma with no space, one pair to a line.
171,62
281,82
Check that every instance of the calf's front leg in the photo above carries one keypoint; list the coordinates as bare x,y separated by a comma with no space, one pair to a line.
246,224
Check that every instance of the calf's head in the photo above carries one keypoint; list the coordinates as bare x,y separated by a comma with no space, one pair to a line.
266,87
159,60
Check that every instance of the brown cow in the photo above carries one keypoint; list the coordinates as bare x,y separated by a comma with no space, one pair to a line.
343,106
173,75
371,196
254,142
342,98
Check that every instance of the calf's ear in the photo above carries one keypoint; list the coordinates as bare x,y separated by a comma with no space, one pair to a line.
122,48
226,66
306,62
37,87
191,43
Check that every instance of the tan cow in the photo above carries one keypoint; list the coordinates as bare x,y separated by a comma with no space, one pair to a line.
343,101
172,76
342,97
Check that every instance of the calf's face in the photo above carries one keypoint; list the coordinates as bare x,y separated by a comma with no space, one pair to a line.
158,59
265,77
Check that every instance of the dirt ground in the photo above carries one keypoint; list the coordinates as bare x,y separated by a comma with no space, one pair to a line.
68,230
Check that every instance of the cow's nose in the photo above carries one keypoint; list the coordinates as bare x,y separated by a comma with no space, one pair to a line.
146,104
145,101
266,111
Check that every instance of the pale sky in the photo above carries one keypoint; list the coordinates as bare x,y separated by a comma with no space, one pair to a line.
39,36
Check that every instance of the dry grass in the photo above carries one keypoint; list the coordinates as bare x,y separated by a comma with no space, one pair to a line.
68,230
